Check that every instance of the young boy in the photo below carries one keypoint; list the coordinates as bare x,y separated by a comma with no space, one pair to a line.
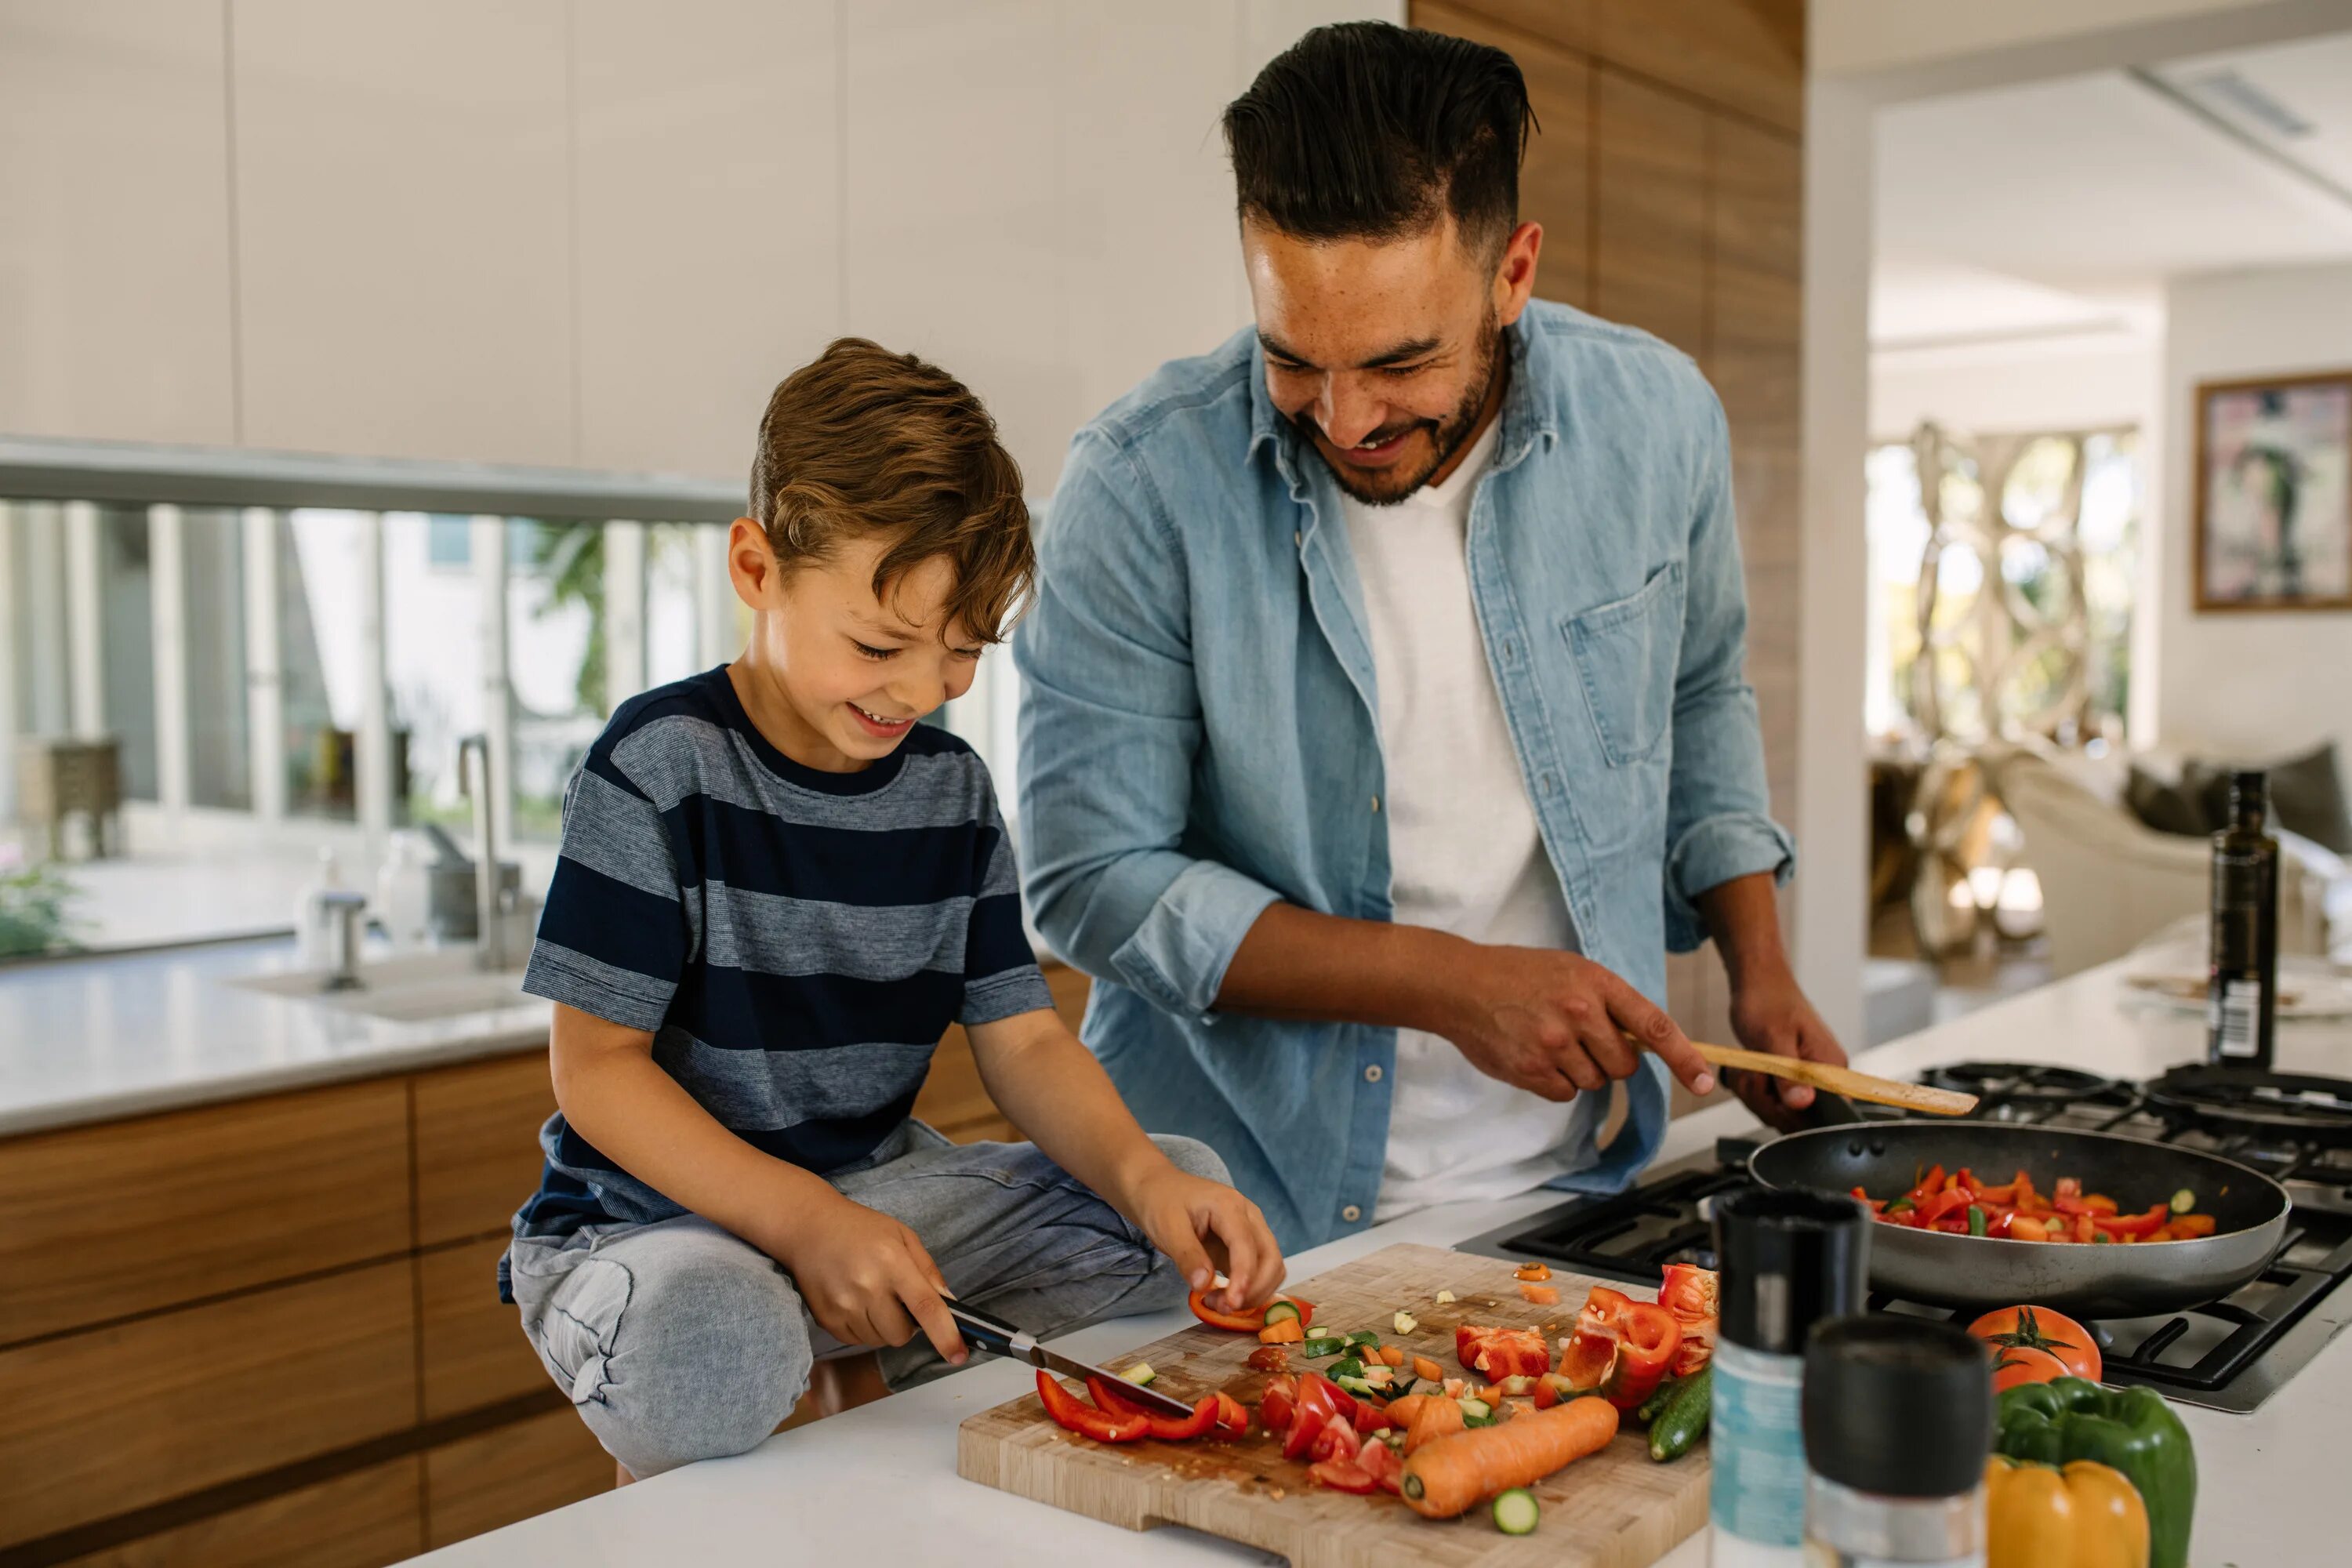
775,892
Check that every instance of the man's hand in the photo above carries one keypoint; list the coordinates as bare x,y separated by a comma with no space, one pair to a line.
866,1279
1555,1023
1771,1014
1200,1224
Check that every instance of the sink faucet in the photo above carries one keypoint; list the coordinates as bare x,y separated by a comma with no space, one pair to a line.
345,905
490,935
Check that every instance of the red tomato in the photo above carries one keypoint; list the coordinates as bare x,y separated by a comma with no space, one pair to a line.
1338,1440
1268,1358
2012,1367
2037,1329
1280,1398
1343,1475
1380,1462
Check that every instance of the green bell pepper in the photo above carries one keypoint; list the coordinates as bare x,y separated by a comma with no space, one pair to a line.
2130,1429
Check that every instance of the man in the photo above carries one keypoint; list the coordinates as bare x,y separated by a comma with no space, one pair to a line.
1384,723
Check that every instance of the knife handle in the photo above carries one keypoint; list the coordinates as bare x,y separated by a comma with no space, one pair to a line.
984,1331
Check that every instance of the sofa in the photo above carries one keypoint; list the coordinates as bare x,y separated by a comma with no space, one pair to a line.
2109,882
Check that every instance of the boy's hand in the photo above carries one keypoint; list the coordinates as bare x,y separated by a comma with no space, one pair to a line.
1200,1224
867,1279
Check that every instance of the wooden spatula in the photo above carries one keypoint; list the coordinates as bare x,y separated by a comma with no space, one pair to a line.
1842,1080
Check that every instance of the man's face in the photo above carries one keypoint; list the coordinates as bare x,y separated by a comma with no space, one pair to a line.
1383,352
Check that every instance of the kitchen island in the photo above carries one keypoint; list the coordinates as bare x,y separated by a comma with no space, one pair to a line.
878,1485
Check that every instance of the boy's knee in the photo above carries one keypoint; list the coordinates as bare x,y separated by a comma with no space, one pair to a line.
718,1355
1194,1157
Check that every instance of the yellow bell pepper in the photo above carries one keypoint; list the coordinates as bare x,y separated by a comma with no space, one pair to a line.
2086,1516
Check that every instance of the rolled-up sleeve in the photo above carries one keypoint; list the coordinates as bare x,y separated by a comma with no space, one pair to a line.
1718,807
1110,726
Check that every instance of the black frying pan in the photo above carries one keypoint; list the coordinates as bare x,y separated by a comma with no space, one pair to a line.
1886,1159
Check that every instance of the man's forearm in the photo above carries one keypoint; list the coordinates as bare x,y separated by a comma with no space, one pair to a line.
1295,963
1743,915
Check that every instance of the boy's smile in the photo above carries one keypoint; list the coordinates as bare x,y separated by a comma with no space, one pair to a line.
836,674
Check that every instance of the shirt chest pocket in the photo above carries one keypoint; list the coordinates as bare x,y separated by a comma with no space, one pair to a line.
1626,652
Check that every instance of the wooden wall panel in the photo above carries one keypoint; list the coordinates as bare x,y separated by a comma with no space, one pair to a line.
1567,22
128,1217
114,1419
514,1472
1747,55
1650,208
362,1519
478,1144
474,1351
1555,183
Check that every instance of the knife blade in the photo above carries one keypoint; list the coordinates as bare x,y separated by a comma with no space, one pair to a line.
983,1332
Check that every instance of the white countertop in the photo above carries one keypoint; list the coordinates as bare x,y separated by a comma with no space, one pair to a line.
90,1039
877,1487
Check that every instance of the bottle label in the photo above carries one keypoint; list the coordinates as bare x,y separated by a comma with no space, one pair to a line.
2232,1012
1758,1446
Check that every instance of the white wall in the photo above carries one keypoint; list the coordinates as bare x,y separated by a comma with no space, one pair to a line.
593,233
2248,684
1850,36
2076,383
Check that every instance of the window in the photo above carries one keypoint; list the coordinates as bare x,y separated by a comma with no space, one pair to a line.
434,659
126,657
212,624
555,662
324,586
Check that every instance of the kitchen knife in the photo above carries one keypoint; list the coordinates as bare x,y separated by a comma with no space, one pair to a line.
982,1331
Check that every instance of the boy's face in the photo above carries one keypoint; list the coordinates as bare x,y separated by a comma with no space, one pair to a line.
839,674
1383,352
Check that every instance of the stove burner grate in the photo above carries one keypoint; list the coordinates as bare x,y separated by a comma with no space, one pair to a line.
2307,1108
2025,1083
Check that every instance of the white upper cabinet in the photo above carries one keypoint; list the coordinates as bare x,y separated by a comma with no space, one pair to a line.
709,236
114,250
404,228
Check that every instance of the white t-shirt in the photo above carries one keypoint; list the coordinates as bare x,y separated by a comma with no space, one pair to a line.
1463,854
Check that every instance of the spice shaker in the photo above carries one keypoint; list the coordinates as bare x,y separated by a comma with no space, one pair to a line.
1898,1420
1788,1260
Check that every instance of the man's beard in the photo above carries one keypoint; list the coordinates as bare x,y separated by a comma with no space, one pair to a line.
1386,486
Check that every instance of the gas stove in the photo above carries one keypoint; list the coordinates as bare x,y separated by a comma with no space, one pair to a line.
2229,1354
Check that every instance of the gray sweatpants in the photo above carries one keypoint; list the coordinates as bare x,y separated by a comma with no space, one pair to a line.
677,1340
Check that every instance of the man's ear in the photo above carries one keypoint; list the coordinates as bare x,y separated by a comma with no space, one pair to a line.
1515,275
750,564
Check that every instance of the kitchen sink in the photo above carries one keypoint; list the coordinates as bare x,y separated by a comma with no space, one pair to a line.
414,989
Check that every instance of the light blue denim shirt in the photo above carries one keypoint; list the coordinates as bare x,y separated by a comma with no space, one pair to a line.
1199,733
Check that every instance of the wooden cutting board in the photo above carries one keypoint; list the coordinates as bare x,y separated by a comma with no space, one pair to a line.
1613,1510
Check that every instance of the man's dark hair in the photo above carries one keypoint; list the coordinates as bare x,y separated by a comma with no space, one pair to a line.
1367,131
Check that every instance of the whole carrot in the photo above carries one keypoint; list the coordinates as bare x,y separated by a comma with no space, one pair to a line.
1435,1418
1456,1473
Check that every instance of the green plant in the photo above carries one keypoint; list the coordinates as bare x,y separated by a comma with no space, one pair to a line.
34,917
571,557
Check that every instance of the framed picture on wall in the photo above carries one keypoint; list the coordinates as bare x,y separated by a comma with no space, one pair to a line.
2274,493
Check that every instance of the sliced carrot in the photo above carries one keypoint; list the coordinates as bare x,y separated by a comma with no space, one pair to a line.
1289,1331
1402,1411
1392,1355
1541,1295
1451,1475
1422,1367
1532,1270
1435,1419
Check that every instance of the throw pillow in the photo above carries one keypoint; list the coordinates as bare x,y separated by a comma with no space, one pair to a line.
2307,797
2180,804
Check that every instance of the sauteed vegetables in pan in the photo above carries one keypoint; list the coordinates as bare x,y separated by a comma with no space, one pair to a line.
1964,1203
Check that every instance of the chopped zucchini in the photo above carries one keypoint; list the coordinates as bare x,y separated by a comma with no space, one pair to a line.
1141,1372
1319,1345
1363,1337
2183,1200
1380,1376
1277,1310
1351,1367
1476,1410
1356,1386
1516,1511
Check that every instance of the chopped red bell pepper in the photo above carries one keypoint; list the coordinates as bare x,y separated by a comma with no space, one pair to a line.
1936,1205
1648,1337
1343,1475
1232,1418
1498,1353
1075,1414
1166,1428
1694,1296
1240,1322
2136,1224
1590,1356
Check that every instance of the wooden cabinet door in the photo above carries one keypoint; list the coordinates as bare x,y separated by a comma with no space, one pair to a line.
361,1520
477,1154
513,1472
474,1353
100,1423
123,1217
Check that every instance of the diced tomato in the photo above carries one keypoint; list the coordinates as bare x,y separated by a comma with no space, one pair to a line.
1306,1426
1337,1440
1343,1475
1380,1462
1372,1416
1280,1398
1268,1358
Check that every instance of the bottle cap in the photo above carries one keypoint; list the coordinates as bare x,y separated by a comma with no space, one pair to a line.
2252,787
1788,1259
1897,1407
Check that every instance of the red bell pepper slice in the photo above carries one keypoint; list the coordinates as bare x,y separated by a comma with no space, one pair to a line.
1648,1337
1936,1205
1498,1353
1590,1356
1240,1322
2136,1224
1073,1414
1232,1418
1343,1475
1166,1428
1930,1185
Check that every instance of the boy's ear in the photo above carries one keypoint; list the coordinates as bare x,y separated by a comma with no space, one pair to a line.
750,564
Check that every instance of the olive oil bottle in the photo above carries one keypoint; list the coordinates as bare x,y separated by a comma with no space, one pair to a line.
2242,981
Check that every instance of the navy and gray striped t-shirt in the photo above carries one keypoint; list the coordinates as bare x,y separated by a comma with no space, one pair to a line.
797,941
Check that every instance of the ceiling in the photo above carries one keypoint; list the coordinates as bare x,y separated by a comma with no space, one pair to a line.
2057,209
